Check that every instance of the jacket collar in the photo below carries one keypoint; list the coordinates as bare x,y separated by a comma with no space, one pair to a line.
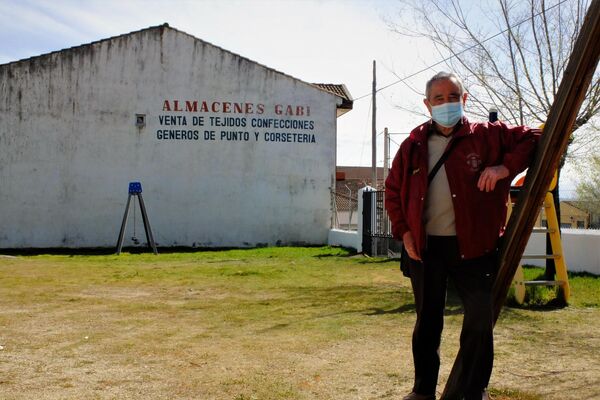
421,132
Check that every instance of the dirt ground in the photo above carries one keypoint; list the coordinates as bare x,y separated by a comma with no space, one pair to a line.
101,341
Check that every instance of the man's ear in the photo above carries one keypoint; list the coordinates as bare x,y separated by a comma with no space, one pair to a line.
464,99
426,102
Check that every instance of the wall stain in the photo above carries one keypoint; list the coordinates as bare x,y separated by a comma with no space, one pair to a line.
20,106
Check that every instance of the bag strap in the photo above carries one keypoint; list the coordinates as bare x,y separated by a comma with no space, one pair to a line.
442,160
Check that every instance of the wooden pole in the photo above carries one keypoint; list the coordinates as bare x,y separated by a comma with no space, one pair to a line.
558,127
374,132
386,153
386,167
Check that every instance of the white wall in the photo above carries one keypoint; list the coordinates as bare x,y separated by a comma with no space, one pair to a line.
69,146
580,246
344,238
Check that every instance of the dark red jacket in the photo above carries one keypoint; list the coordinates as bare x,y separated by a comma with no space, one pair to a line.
479,216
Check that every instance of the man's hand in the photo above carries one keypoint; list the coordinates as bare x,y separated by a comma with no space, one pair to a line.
491,175
409,245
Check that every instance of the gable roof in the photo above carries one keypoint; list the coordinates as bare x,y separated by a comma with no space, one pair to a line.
342,92
338,90
575,204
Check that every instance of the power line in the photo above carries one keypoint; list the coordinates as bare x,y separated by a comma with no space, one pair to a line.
461,52
392,140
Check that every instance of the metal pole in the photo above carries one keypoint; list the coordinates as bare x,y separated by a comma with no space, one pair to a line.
123,226
386,153
147,228
374,132
349,206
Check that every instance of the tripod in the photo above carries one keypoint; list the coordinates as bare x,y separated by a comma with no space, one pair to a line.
135,189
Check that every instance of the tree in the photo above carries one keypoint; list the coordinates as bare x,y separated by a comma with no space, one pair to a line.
588,188
512,55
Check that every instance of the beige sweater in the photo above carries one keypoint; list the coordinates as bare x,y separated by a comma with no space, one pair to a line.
439,210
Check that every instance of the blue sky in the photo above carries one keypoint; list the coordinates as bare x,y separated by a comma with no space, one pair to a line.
332,41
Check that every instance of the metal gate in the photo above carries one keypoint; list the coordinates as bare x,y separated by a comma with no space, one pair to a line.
377,229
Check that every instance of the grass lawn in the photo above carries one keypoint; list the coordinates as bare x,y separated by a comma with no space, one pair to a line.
269,323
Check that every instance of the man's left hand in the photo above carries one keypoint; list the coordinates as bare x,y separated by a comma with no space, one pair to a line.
491,175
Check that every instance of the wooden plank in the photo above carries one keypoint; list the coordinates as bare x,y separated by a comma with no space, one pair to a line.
576,80
543,283
540,257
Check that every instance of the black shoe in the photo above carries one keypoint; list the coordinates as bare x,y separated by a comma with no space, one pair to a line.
417,396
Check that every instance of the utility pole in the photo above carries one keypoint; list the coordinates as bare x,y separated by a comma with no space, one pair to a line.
386,153
374,133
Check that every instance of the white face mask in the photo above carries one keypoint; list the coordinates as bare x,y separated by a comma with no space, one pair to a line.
447,114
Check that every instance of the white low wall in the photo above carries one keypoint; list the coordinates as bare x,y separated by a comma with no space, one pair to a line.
580,246
349,239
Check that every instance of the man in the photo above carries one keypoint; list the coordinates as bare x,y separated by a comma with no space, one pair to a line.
450,226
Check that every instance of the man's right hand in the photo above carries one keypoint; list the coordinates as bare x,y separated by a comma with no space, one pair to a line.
409,245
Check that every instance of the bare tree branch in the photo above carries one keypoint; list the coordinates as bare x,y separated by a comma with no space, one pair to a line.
518,69
549,48
540,59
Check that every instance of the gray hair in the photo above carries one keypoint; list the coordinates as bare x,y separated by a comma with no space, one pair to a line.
442,76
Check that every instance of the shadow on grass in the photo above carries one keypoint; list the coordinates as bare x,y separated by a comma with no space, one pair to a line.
411,308
307,319
102,251
453,306
539,298
551,305
357,301
379,261
583,275
349,253
404,308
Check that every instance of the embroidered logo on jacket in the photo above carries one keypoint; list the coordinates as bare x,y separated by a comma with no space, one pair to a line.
474,161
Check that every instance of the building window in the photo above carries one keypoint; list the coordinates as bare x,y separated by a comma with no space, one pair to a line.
581,224
544,223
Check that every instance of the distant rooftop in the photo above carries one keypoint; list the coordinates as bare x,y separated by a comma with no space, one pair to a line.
339,90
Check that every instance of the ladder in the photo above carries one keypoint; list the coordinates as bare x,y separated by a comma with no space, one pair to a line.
562,279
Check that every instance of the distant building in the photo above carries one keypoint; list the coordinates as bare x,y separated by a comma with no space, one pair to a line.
357,177
571,216
348,181
229,152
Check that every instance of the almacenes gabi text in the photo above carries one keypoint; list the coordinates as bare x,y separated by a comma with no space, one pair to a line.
228,107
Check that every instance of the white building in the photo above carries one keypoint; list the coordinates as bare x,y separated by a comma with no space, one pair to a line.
229,152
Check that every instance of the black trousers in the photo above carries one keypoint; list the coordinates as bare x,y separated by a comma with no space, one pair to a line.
473,280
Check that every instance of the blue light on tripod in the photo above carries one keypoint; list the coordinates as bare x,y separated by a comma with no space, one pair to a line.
135,187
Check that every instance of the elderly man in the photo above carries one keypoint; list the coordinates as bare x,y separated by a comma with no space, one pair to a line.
449,217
